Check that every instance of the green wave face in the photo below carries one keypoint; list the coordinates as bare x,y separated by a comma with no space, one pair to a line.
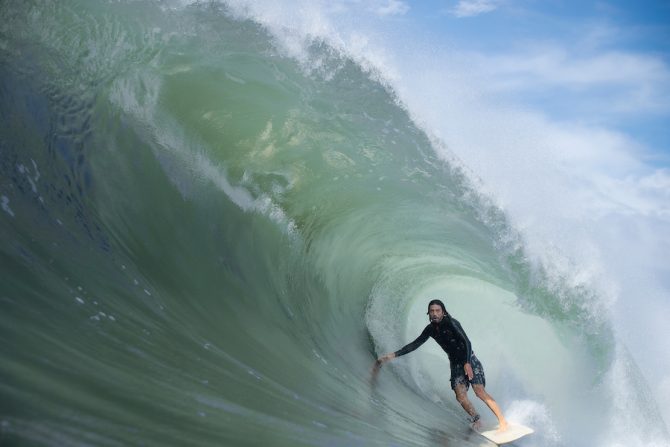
206,242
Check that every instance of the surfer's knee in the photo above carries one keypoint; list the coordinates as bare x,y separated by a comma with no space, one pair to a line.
480,392
461,394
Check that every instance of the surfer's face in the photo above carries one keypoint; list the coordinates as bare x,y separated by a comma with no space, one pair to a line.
435,313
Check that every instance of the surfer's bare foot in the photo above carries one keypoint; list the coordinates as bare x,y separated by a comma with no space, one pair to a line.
502,427
476,423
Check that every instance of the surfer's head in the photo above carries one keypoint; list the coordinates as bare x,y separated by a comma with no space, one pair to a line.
436,311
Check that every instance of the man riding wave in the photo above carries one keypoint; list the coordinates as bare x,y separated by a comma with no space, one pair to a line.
466,369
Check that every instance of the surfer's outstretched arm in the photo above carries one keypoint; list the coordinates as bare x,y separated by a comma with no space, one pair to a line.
421,339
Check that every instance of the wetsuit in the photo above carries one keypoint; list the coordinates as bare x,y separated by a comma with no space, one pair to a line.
451,337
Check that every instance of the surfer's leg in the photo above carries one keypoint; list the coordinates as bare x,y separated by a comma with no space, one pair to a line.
481,393
462,397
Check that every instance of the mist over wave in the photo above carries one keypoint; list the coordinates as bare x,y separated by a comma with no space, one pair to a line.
215,215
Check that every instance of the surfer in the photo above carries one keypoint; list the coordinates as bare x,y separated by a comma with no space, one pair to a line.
466,369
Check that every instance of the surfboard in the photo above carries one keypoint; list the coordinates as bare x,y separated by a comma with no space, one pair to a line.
513,432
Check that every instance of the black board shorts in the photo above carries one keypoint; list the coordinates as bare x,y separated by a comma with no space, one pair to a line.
458,374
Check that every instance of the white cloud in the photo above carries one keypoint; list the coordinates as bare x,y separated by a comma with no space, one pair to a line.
556,65
658,181
392,7
604,81
471,8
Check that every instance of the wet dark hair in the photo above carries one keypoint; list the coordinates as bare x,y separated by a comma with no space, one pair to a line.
439,303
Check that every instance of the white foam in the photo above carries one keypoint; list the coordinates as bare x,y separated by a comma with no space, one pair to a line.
637,423
533,414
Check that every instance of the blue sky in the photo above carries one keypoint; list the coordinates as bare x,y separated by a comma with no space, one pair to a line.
594,63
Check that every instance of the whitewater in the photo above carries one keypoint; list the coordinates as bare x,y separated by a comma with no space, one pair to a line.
214,216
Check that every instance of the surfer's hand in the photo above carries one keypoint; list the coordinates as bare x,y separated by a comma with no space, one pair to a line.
378,364
375,371
385,358
468,371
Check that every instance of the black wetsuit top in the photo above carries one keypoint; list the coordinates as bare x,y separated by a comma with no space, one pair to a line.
451,337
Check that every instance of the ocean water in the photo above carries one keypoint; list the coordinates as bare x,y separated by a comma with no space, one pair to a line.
212,224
